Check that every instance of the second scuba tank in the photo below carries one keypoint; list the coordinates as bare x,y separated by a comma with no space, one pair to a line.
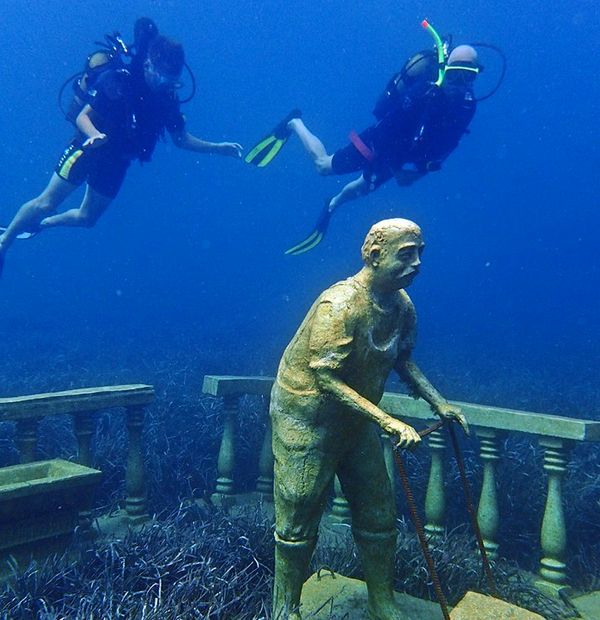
419,69
99,61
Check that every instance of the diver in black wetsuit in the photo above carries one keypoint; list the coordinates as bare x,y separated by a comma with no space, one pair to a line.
412,137
418,125
124,114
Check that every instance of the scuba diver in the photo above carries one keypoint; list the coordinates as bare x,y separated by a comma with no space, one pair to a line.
120,111
421,116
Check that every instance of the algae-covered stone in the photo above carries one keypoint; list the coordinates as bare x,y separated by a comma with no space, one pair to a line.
41,500
475,606
588,605
334,597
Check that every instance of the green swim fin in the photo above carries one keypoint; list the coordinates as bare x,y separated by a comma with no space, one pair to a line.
316,236
264,152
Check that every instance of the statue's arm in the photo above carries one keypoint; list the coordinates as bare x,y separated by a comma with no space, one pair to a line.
331,343
420,386
332,384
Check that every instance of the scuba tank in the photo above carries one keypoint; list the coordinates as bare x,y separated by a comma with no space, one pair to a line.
111,56
427,69
419,70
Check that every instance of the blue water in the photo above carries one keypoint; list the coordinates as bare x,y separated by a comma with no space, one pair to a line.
191,252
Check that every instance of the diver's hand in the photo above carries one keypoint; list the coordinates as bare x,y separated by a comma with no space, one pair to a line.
229,149
404,435
452,413
93,142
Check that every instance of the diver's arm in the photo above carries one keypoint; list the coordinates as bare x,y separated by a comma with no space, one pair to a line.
84,123
185,140
420,385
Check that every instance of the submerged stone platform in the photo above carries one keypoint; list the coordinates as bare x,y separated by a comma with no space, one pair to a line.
588,605
475,606
331,596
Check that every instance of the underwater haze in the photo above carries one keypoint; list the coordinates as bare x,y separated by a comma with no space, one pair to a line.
188,263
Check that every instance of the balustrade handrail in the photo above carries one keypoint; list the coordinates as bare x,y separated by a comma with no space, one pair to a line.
404,406
75,402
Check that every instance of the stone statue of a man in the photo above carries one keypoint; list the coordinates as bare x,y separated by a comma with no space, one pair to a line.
323,403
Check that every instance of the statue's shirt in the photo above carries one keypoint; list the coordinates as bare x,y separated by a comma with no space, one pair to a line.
347,333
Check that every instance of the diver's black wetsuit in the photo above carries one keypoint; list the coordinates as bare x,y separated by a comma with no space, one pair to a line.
133,117
423,129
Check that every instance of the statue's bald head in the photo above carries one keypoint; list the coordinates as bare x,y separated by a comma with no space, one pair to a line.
382,232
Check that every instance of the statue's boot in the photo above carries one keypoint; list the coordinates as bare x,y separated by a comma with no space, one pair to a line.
377,551
292,560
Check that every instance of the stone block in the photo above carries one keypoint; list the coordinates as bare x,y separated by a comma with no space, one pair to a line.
588,605
42,500
334,597
475,606
217,385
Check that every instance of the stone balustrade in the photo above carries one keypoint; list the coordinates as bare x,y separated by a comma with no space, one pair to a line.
555,434
27,411
231,389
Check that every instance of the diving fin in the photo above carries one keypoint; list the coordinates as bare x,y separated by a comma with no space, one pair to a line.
317,234
27,234
264,152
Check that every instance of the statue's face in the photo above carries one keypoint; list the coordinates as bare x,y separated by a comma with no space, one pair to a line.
397,263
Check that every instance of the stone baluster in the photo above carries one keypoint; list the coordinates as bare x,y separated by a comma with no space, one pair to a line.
135,477
340,510
27,437
264,483
435,501
488,515
554,533
224,491
84,429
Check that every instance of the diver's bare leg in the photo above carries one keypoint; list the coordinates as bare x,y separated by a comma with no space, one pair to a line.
29,215
353,190
88,213
313,146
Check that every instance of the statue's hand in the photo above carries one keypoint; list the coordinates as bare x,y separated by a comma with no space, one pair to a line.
404,435
452,413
